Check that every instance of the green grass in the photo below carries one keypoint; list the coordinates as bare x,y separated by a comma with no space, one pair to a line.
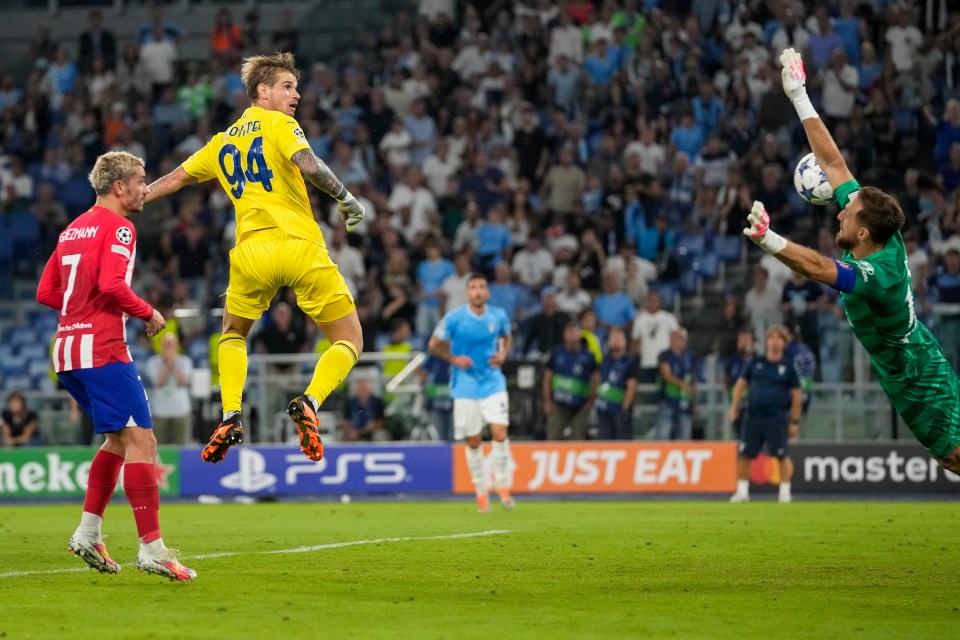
641,569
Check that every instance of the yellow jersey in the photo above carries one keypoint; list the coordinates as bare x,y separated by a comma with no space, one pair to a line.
251,159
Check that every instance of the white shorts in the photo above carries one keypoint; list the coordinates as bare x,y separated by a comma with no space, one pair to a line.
470,415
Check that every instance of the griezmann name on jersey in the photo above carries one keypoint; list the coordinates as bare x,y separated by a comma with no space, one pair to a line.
477,337
251,160
88,280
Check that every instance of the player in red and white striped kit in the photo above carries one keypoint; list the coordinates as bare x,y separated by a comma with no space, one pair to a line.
87,280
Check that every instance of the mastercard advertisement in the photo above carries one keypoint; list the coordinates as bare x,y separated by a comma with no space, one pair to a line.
610,467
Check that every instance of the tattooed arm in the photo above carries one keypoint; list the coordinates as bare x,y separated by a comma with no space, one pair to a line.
318,173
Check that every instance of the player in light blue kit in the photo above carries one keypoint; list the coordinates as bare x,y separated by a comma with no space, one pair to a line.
475,339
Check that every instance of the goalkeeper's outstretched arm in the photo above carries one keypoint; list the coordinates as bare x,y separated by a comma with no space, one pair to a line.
821,142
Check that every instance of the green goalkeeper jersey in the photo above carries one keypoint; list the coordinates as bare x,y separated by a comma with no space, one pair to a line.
909,362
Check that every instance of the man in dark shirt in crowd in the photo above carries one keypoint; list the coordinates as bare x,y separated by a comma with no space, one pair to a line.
531,144
544,331
363,415
283,336
97,42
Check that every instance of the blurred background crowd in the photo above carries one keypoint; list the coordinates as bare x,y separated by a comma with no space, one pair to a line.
595,159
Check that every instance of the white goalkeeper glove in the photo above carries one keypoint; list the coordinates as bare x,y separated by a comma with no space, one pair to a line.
350,210
794,83
759,230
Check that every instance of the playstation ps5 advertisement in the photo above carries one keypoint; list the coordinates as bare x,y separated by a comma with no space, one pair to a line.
264,471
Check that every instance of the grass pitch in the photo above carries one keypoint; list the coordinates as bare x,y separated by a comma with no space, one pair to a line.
632,569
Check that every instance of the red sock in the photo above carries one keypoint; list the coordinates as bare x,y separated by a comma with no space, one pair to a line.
140,485
102,481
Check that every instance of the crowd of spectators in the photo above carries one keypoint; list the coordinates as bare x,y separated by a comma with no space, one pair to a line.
563,149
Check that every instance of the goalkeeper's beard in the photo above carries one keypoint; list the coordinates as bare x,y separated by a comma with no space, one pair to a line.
845,243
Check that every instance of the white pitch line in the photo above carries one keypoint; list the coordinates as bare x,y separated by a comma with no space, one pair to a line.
316,547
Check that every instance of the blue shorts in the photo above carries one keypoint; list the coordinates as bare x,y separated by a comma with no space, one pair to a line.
113,395
754,433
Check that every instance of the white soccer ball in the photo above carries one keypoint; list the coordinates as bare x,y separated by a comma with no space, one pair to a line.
811,183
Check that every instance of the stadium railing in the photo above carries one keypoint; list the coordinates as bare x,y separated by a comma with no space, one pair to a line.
856,411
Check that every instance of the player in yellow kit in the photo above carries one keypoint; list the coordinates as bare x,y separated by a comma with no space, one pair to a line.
261,162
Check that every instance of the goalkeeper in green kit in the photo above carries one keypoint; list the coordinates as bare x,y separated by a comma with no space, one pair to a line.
874,282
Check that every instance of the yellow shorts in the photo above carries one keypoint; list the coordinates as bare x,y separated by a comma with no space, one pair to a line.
266,260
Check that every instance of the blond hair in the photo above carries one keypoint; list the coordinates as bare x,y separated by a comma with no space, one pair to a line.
110,167
257,70
779,330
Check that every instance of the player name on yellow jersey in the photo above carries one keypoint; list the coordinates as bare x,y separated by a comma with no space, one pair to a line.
243,128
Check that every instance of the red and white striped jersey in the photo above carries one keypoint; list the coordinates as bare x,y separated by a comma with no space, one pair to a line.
87,280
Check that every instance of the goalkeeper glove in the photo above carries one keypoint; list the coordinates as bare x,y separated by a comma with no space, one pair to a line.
759,230
350,210
794,83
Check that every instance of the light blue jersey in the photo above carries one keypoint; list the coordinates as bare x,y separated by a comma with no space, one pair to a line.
476,337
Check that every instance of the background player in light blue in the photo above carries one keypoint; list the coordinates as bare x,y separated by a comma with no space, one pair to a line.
475,338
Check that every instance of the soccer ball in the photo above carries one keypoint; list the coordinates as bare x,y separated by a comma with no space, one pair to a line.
811,183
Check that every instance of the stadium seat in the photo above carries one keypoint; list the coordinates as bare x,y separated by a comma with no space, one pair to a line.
24,229
669,293
707,265
199,351
689,282
419,343
382,340
44,383
139,352
38,368
43,316
689,245
6,246
728,248
75,195
23,336
35,351
17,382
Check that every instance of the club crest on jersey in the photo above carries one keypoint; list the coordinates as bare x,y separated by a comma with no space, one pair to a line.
125,235
781,369
490,326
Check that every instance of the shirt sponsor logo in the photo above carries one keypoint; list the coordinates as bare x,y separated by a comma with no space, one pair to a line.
125,235
79,233
866,270
76,326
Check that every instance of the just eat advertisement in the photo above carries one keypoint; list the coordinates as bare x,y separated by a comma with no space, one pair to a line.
602,467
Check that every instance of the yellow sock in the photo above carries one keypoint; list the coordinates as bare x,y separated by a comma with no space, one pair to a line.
332,368
233,370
